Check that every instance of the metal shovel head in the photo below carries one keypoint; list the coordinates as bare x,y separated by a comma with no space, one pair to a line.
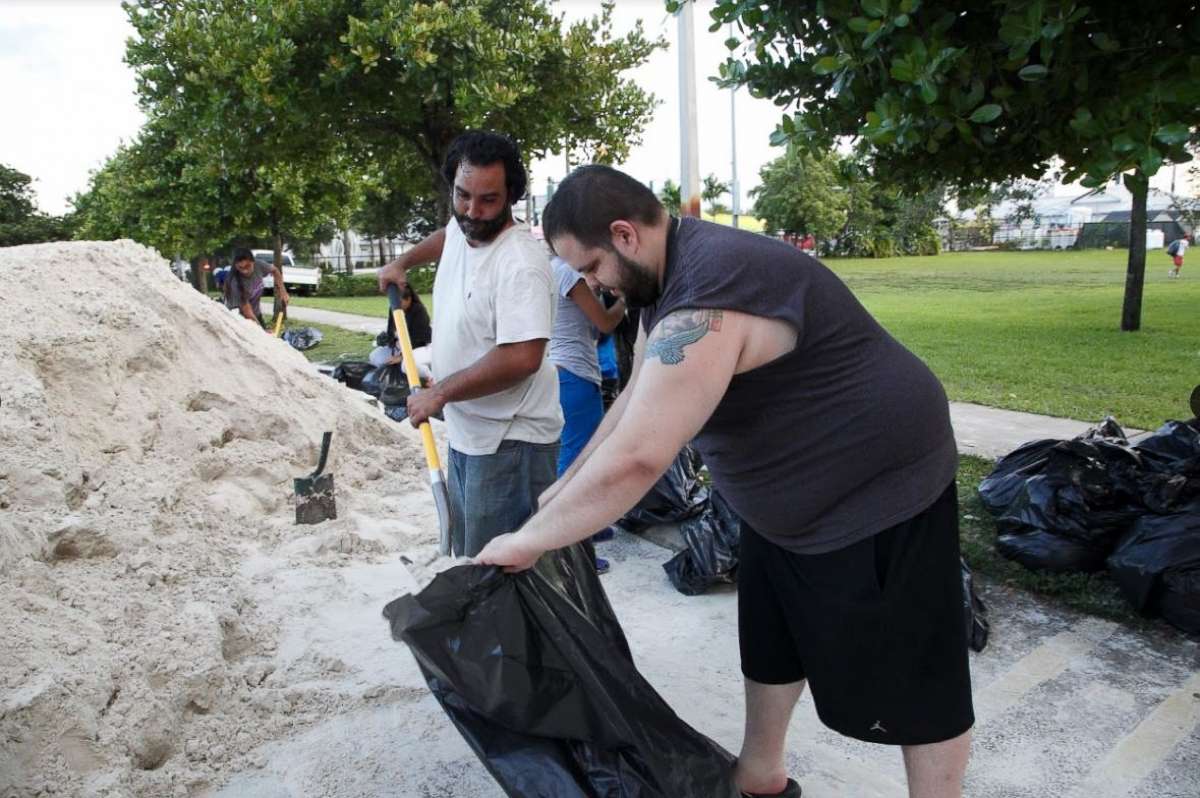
314,493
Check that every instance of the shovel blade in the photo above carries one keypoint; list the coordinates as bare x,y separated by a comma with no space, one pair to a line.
441,500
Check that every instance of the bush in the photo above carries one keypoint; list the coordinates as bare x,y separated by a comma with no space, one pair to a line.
342,284
421,279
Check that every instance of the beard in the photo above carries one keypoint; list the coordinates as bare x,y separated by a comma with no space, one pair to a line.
482,231
638,285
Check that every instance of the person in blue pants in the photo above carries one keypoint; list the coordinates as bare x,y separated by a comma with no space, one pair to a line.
580,318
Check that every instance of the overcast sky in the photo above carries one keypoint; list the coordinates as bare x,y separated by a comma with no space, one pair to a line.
69,97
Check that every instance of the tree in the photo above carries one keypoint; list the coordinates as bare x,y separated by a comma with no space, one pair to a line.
200,76
669,195
20,220
972,93
712,190
380,75
801,192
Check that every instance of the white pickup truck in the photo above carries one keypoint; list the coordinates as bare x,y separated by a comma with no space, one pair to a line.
298,279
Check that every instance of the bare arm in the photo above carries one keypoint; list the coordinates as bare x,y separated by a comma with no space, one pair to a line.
603,319
429,250
690,358
501,368
280,288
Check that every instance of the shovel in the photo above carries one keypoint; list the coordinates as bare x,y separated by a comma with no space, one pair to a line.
437,480
314,493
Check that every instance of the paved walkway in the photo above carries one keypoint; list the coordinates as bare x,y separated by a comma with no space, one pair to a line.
982,431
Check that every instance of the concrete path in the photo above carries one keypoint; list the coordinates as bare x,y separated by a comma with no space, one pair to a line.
347,321
982,431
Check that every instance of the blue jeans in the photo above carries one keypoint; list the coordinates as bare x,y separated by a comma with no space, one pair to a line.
491,494
582,411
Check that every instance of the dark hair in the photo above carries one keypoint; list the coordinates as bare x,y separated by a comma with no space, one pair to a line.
591,198
484,148
407,292
241,253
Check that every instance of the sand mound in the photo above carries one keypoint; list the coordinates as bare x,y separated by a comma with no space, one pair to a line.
148,439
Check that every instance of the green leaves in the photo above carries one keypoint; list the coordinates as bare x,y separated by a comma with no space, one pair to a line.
875,8
826,65
1033,72
986,113
1174,133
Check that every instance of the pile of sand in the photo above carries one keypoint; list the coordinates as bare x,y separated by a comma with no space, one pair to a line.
148,439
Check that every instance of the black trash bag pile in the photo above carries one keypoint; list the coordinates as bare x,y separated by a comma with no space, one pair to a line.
303,337
388,384
1098,502
975,610
351,373
678,495
1060,506
534,671
711,557
1157,566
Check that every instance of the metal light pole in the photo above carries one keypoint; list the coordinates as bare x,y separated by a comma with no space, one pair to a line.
734,189
689,149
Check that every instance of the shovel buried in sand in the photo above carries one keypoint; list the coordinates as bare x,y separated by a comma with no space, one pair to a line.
437,480
314,493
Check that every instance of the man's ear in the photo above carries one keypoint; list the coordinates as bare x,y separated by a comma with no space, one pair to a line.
625,236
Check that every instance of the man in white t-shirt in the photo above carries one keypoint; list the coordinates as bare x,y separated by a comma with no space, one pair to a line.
493,313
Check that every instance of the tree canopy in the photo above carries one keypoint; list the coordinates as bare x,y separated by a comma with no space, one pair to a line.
20,220
304,80
977,92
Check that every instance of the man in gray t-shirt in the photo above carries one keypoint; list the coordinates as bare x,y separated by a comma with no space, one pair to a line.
243,288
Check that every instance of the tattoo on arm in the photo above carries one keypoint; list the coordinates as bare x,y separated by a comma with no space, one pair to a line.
676,331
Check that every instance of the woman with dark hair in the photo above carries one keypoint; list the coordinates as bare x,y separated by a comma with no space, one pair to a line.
416,317
243,287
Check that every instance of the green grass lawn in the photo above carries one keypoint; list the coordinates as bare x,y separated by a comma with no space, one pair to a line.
336,344
358,305
1033,331
1039,331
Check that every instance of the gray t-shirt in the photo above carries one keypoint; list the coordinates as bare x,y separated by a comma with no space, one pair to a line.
240,290
573,344
846,435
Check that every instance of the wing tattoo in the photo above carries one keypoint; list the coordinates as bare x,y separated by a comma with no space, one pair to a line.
678,331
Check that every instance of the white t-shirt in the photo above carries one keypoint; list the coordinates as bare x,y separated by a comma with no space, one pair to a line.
499,293
1183,245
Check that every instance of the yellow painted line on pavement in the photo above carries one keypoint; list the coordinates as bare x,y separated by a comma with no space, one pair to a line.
1040,665
1139,753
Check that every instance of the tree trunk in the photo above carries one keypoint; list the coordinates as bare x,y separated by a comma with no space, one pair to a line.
199,276
349,254
382,257
1135,275
277,306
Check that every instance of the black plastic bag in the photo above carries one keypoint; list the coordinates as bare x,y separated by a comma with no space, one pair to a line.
678,495
388,384
1157,566
303,337
351,373
711,557
1061,506
535,672
978,627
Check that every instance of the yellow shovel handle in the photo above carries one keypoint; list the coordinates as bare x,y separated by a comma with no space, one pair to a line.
414,382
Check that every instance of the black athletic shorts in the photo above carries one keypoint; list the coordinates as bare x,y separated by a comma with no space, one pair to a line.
877,628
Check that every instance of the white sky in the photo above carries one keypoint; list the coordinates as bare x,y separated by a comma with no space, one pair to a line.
69,97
